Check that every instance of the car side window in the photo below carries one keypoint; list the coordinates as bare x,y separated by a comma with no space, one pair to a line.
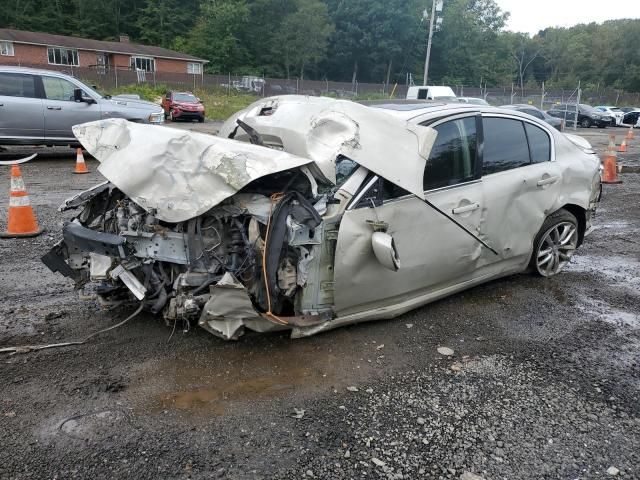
505,145
58,89
453,158
17,85
539,144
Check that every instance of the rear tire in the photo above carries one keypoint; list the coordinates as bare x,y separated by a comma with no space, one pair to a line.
201,120
554,244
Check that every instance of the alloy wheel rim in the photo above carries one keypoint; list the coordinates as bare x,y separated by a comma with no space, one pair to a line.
556,248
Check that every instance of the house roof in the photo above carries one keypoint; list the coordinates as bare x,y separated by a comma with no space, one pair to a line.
39,38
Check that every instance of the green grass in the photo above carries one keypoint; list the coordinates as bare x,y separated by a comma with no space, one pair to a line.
219,104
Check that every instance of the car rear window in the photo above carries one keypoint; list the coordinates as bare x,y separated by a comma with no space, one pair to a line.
17,85
505,145
539,144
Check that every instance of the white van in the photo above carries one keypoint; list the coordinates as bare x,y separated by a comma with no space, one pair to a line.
429,93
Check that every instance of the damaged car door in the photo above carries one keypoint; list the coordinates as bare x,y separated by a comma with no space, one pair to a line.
435,255
521,185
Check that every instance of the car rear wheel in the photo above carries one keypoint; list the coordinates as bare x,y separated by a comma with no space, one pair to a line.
585,123
555,243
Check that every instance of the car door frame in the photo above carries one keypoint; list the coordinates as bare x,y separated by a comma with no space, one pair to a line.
36,103
529,179
357,271
51,106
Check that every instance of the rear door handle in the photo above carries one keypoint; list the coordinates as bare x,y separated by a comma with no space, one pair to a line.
547,181
54,108
466,208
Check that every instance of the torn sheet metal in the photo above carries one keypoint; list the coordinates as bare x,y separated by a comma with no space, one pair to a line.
227,309
323,128
178,174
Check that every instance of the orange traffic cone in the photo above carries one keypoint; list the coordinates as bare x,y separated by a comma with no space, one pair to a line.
612,143
22,221
610,174
630,134
623,147
81,167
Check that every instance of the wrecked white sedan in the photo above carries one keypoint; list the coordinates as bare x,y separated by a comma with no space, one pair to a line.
311,213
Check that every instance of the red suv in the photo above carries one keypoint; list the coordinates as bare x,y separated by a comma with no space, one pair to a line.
182,105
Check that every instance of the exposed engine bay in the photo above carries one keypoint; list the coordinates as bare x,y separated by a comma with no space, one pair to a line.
245,262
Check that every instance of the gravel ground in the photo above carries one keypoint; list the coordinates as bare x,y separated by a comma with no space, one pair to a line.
543,383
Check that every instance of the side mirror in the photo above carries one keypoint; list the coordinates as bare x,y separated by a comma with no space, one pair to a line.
384,249
79,97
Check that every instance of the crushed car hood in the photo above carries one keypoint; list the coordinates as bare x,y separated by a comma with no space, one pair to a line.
322,129
177,173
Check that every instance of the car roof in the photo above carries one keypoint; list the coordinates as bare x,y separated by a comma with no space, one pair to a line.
520,105
409,112
32,71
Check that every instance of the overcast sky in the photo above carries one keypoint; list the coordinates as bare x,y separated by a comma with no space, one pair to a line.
534,15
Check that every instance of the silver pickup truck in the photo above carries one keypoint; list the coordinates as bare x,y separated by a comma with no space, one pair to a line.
39,107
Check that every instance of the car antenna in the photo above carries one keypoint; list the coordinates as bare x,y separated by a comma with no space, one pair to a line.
458,224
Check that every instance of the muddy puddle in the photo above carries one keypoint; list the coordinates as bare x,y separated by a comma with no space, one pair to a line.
237,376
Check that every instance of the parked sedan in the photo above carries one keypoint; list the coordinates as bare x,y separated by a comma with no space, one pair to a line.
631,116
536,112
587,115
615,113
310,213
39,107
472,100
182,106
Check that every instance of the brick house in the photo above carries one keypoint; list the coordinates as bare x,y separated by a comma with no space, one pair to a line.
43,50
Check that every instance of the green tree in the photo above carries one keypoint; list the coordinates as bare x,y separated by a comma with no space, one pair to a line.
302,38
161,22
217,35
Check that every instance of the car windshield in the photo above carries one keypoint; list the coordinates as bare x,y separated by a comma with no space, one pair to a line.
185,97
616,109
344,169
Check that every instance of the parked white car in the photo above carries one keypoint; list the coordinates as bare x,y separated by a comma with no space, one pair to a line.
430,93
309,213
614,112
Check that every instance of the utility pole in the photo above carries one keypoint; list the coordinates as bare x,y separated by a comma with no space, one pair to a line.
432,21
436,6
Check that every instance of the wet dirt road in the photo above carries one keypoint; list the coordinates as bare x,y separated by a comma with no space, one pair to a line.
544,382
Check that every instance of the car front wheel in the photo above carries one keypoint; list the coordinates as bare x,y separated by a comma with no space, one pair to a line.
585,123
555,243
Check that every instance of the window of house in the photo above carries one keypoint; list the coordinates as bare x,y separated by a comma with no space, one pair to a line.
17,85
58,89
195,68
6,49
147,64
539,144
63,56
505,145
453,158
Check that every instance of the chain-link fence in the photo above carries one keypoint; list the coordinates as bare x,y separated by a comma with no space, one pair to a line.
109,78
